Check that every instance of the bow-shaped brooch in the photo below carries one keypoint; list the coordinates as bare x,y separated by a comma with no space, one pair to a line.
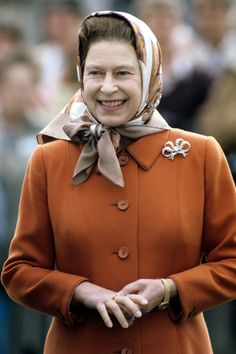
180,147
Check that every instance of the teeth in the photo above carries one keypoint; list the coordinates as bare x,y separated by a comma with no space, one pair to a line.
111,104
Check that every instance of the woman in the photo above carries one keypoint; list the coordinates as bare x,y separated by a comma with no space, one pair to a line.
116,214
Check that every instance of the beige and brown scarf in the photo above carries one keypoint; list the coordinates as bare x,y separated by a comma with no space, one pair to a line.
75,123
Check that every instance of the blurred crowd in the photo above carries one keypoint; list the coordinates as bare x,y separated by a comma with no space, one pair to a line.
37,78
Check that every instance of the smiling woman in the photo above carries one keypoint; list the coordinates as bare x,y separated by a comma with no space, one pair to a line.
110,69
112,82
110,233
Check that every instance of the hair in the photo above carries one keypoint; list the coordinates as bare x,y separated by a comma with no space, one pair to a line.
11,31
19,58
99,28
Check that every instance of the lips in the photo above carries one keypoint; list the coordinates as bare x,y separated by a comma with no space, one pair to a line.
111,104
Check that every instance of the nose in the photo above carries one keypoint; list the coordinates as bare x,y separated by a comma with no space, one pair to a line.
108,85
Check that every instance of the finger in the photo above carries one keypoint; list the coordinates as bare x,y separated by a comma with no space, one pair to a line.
104,314
138,299
131,288
128,305
115,309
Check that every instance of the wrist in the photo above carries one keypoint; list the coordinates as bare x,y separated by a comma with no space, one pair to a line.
80,292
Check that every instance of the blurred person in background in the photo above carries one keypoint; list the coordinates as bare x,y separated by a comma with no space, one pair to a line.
216,54
217,117
185,87
216,41
19,121
56,54
11,39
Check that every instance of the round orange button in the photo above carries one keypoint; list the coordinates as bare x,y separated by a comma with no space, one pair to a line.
123,160
123,204
123,252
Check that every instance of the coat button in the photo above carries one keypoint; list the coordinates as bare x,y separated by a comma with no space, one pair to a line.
126,351
123,159
123,252
123,204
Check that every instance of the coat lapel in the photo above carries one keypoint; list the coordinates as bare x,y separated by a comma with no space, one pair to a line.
147,149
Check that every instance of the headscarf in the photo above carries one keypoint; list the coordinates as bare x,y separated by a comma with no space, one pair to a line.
75,122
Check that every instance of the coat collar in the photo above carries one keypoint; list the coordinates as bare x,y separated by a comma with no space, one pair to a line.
147,149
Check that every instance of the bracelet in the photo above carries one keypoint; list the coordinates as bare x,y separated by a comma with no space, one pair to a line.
166,298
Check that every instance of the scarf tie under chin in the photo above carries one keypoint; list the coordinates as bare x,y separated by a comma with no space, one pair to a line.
101,144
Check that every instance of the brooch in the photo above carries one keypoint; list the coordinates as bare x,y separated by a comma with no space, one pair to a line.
180,147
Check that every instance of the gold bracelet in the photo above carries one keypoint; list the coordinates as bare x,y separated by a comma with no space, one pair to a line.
166,298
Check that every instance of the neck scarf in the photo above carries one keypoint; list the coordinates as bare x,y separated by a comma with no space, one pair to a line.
101,143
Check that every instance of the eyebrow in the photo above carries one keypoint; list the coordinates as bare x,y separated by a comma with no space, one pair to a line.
118,67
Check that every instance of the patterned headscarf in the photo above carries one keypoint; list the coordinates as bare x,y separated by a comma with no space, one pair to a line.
76,123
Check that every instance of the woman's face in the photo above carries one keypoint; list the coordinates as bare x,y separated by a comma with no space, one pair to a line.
112,82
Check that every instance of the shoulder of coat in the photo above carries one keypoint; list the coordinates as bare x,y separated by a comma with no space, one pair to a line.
59,145
60,149
187,135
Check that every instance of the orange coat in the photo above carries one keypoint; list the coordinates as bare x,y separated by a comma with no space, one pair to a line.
169,214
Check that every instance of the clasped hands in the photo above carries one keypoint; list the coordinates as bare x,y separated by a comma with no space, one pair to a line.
131,302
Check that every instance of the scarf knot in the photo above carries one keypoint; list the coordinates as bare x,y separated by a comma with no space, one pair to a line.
96,130
102,143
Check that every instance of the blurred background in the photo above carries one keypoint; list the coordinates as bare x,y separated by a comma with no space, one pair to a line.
38,42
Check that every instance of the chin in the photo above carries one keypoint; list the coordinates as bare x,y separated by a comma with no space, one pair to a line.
112,122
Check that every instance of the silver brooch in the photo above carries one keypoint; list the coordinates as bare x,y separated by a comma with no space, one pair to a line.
181,147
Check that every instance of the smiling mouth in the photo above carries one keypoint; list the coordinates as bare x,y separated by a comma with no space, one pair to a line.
112,104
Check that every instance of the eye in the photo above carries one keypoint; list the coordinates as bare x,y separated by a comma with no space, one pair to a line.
123,73
94,72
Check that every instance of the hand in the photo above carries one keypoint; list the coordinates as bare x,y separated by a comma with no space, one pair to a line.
130,307
150,289
107,303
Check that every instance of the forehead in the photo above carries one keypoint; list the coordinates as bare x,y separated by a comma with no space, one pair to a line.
111,51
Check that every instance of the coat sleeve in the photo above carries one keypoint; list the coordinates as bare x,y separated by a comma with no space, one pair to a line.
213,282
29,273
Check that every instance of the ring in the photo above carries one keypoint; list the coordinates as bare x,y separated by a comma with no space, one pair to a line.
130,318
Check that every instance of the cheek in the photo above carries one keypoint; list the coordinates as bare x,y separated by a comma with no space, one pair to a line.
89,89
87,93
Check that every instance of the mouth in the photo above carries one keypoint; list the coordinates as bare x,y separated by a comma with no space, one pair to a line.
111,105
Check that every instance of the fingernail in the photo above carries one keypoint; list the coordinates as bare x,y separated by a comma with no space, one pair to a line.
125,325
138,314
145,301
110,325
